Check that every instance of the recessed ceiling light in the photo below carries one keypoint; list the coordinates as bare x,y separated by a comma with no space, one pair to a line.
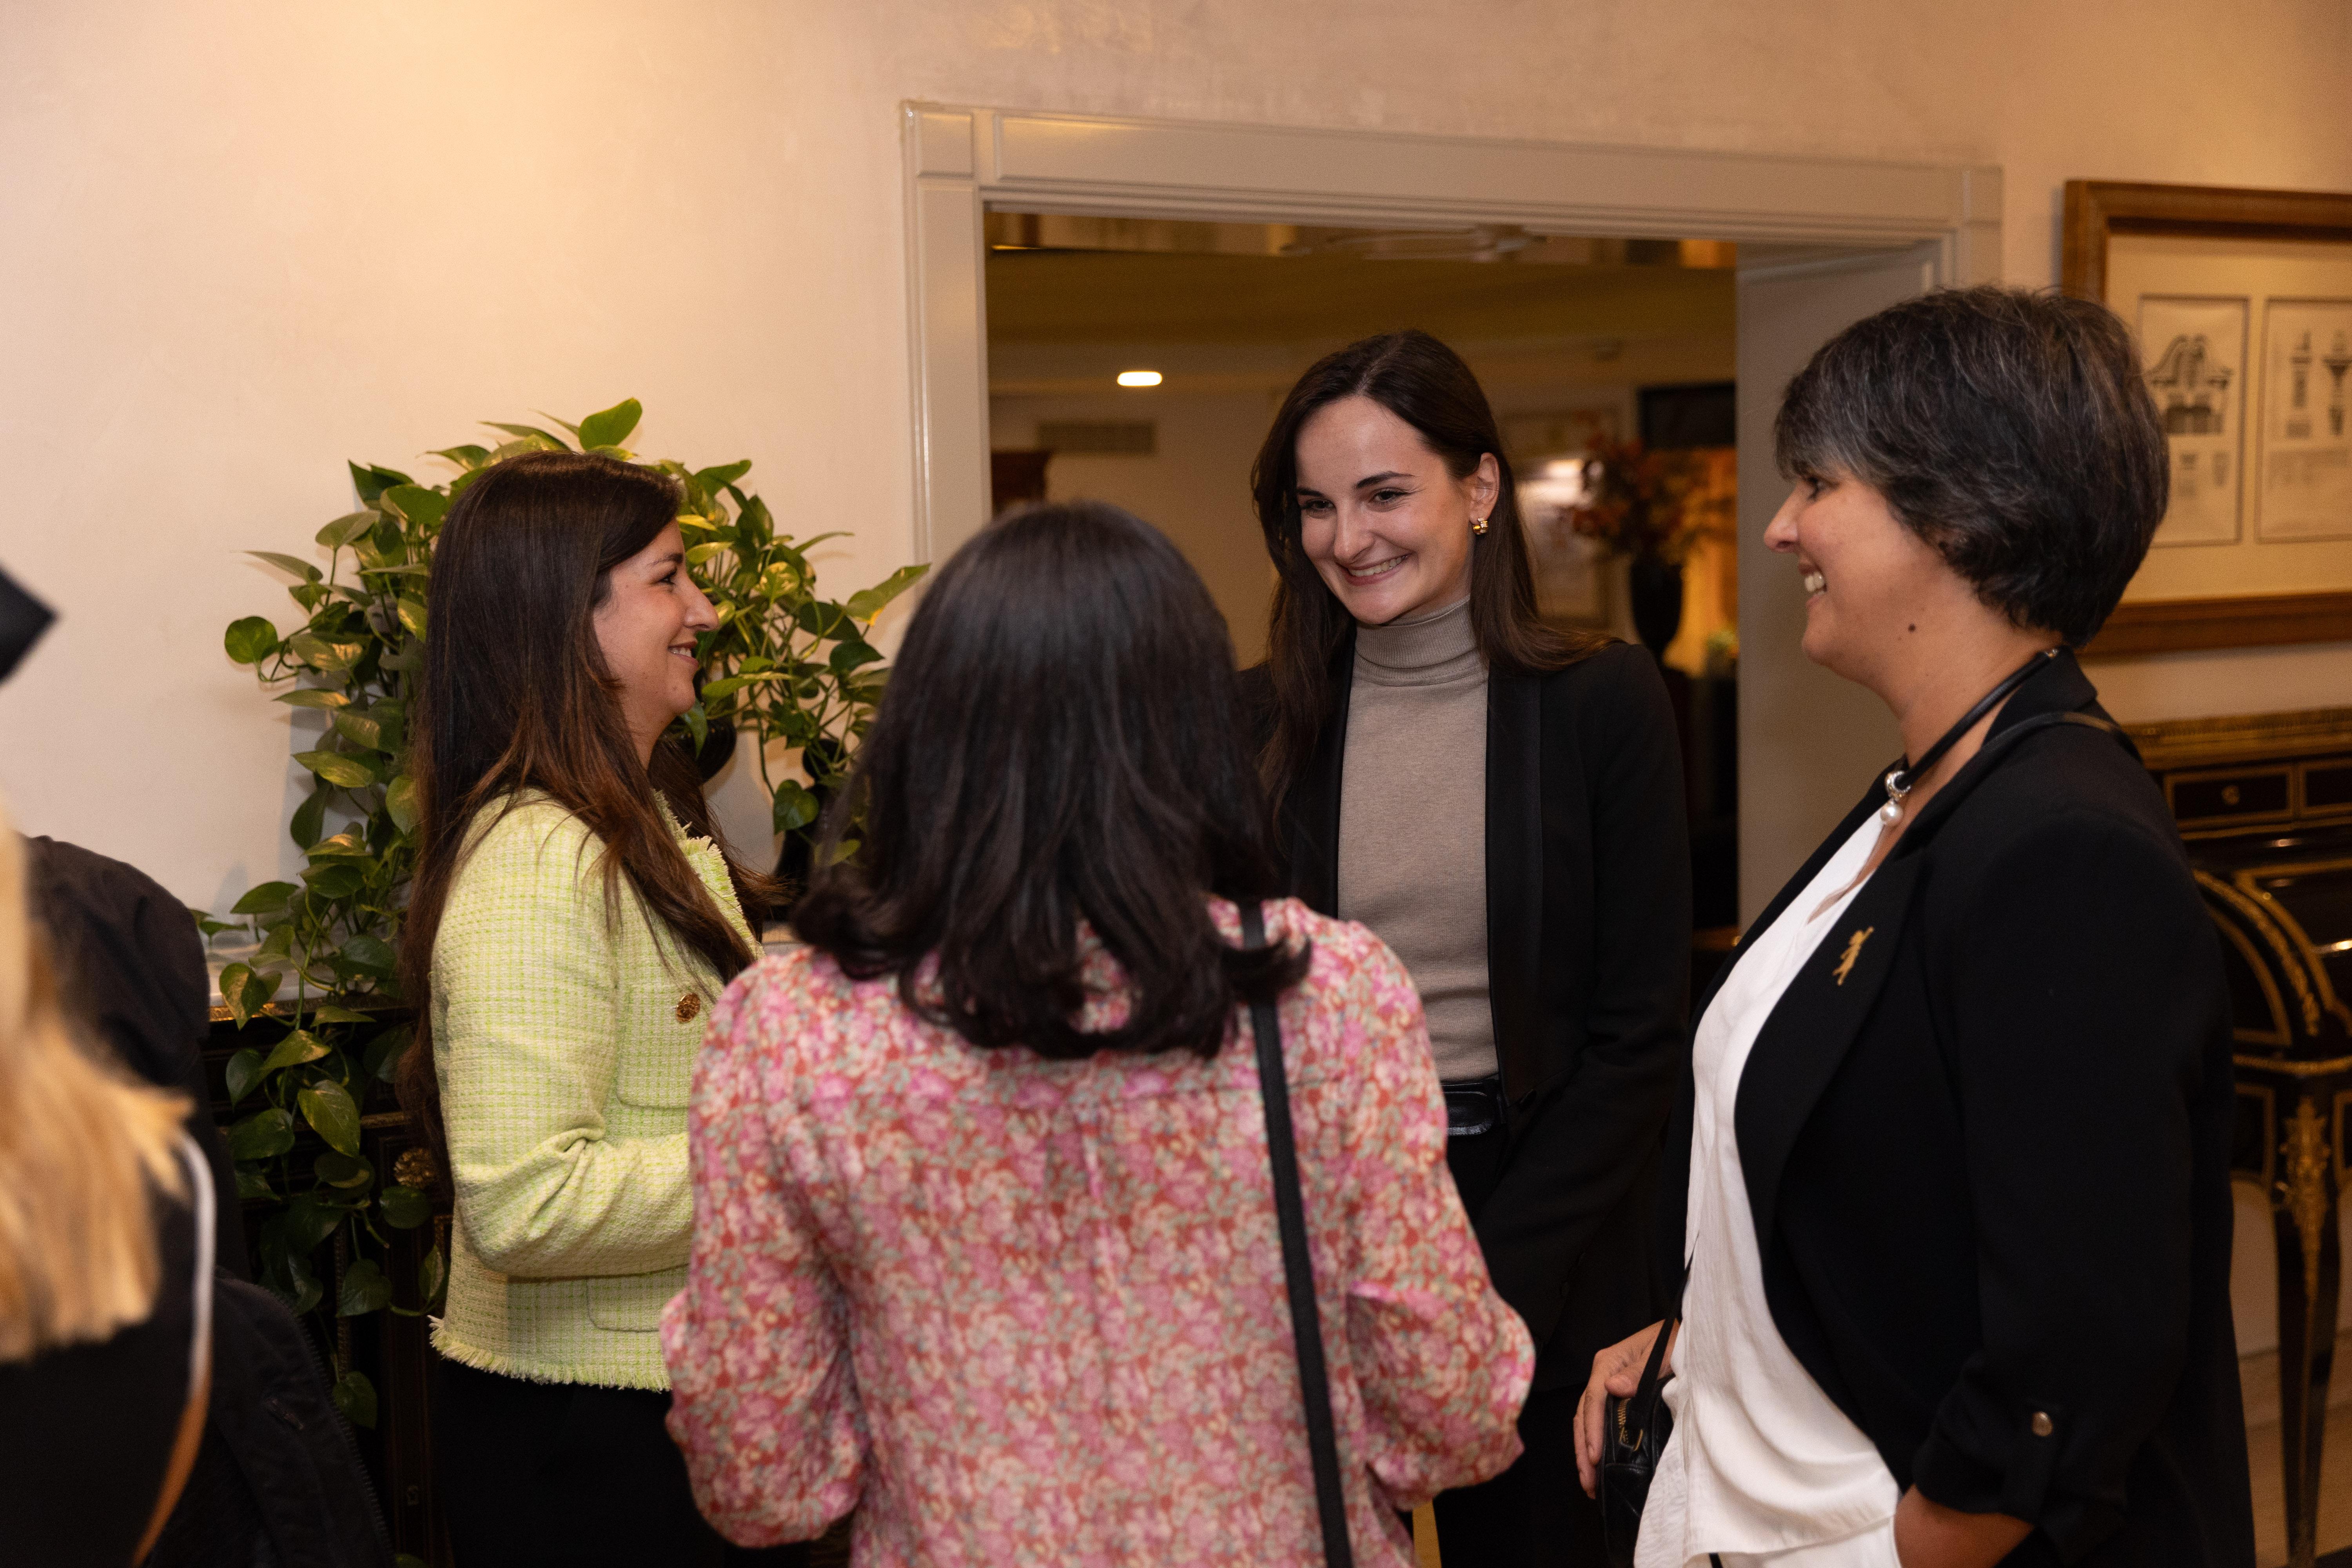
1138,378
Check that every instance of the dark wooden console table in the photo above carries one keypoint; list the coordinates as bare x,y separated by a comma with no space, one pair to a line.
2265,804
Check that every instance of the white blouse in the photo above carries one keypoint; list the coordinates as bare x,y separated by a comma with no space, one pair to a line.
1763,1468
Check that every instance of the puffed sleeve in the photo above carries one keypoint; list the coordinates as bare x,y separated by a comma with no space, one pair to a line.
1595,1133
526,996
1442,1364
2090,1021
763,1400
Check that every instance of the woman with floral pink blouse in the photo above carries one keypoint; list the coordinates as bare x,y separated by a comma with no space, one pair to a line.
985,1230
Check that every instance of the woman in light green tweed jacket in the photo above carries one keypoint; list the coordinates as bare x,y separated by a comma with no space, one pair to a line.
573,917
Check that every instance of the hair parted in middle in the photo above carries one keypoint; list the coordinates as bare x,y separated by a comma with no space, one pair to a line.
515,696
1061,742
1427,384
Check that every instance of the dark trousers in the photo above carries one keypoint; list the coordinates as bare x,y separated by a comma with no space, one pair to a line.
1535,1514
568,1476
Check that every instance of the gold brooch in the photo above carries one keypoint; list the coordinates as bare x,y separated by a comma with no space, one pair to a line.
688,1006
1853,951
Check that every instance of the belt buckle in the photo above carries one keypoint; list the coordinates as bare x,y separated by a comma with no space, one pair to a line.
1473,1106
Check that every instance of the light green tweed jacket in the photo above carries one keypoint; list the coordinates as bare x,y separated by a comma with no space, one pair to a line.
564,1036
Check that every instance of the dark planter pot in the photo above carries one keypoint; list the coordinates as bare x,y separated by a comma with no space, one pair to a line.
718,746
1655,587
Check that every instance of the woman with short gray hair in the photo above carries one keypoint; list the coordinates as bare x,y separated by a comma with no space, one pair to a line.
1956,1231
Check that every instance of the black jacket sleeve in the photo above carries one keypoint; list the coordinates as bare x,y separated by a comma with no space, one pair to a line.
2089,1019
1589,1138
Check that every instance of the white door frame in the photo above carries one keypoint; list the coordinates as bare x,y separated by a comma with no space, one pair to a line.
961,162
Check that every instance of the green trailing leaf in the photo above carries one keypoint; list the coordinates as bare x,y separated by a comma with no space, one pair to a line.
851,654
417,505
432,1277
343,1171
365,1291
309,818
531,433
325,657
340,879
698,724
310,1220
400,800
264,1135
339,768
868,603
469,456
795,806
725,474
373,480
242,1071
348,527
354,1394
266,899
299,567
328,1013
726,687
251,640
371,953
411,614
231,990
330,1114
299,1045
314,696
361,728
253,1187
404,1208
611,427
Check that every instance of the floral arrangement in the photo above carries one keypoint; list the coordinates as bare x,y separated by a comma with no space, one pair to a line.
1651,506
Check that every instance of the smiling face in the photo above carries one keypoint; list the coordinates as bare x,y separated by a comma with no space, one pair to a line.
645,628
1385,523
1875,592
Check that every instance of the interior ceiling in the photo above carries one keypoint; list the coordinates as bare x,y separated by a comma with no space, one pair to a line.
1072,280
1077,297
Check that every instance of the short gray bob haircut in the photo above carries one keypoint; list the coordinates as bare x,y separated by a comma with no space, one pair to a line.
2010,428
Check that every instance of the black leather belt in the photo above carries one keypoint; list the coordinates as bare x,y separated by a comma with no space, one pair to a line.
1473,1105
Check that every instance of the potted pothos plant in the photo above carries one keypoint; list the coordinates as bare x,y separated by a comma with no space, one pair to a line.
783,665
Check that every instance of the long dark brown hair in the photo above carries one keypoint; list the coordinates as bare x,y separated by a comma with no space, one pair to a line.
1425,384
1061,742
515,696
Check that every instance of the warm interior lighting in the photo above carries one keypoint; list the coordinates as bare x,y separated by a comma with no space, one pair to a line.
1138,378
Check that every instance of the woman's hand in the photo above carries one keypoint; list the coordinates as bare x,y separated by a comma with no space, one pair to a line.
1929,1535
1616,1370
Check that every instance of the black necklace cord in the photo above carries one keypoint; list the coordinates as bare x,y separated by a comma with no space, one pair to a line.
1906,774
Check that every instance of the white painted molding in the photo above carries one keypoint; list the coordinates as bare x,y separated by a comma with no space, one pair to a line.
961,161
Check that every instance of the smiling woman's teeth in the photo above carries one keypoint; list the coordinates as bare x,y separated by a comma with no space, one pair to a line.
1382,570
1815,583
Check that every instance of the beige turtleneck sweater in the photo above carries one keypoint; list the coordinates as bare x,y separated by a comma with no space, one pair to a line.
1413,821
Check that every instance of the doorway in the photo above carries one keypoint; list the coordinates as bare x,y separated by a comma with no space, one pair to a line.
1821,243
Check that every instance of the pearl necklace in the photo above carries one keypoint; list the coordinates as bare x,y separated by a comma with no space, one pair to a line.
1903,775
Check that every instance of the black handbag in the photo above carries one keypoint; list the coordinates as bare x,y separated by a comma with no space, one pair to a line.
1290,1215
1633,1433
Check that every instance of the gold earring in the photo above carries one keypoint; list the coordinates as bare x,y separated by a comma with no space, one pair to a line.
1478,526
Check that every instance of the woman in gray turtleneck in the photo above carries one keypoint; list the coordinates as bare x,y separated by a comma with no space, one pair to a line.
1501,802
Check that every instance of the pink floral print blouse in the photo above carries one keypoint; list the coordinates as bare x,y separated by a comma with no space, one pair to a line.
1017,1310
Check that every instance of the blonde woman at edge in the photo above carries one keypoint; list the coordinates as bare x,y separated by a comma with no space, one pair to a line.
105,1221
571,918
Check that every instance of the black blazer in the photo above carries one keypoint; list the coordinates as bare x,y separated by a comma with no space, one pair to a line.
1988,1160
1588,945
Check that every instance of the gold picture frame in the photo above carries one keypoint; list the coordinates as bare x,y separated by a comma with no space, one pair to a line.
2260,476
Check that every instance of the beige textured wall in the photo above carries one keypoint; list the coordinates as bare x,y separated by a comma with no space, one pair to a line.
239,243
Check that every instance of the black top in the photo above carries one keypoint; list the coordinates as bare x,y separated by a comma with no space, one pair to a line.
1988,1160
86,1431
131,964
1588,945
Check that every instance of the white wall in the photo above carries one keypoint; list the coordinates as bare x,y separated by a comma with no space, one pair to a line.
242,242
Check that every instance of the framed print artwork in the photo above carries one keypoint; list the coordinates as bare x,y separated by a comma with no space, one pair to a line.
2241,302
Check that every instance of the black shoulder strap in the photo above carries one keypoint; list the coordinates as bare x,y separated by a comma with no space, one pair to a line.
2044,720
1297,1268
